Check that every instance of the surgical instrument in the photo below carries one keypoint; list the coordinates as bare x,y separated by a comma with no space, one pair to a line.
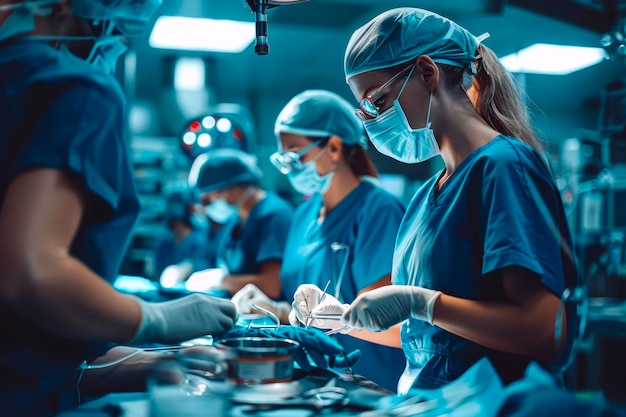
309,318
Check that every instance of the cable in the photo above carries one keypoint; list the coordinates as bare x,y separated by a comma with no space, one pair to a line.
84,366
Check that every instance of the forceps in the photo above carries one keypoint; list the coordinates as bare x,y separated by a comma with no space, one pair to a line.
310,317
330,316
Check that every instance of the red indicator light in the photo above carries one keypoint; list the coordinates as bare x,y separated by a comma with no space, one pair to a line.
195,126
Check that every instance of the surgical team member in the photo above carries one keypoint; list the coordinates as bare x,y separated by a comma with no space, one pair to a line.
345,231
68,204
255,222
184,238
481,258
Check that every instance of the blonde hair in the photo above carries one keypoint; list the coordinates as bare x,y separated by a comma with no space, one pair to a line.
496,98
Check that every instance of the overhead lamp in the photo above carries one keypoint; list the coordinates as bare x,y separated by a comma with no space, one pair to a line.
543,58
259,7
200,34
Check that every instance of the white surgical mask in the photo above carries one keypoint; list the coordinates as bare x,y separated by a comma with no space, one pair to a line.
220,211
308,181
392,135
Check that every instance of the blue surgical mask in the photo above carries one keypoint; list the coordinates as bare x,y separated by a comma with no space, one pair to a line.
308,181
392,135
220,211
105,53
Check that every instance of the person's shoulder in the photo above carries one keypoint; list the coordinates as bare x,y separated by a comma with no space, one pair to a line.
507,153
38,63
376,197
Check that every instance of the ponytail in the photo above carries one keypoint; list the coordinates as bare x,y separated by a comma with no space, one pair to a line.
360,164
495,97
499,103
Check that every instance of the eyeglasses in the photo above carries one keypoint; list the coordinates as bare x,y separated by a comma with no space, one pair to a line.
286,162
368,108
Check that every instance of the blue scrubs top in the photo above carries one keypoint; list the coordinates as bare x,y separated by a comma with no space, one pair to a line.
500,208
192,248
364,224
82,134
243,248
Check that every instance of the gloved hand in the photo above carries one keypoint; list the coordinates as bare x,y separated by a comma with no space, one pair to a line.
307,299
312,342
251,294
174,274
185,318
206,279
383,307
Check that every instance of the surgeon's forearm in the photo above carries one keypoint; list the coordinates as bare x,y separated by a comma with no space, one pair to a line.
501,326
390,337
69,300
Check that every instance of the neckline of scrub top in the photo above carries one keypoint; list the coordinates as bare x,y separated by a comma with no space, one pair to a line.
435,196
347,202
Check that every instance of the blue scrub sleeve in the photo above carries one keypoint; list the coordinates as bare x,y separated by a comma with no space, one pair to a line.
519,219
272,236
375,242
81,132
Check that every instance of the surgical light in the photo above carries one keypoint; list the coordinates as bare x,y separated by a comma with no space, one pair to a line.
200,34
542,58
208,122
224,125
189,138
227,125
204,140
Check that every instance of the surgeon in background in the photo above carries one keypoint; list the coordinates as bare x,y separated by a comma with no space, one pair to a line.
344,233
68,206
484,251
254,222
185,237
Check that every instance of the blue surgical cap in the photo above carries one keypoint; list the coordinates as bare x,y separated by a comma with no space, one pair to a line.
223,168
401,35
129,17
320,113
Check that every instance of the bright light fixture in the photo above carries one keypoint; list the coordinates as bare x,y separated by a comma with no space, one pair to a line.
189,74
543,58
197,34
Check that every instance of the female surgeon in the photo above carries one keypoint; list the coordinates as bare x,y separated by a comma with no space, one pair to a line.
68,204
482,256
345,231
254,222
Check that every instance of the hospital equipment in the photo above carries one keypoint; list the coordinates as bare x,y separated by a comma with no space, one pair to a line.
260,7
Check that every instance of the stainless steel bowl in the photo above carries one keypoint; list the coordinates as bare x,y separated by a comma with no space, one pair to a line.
259,360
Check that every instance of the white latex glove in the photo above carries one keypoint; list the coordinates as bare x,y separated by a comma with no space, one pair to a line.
186,318
329,305
206,279
384,307
174,274
248,295
306,301
251,294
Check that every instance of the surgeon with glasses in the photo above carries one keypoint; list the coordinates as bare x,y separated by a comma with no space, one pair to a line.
343,238
484,252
